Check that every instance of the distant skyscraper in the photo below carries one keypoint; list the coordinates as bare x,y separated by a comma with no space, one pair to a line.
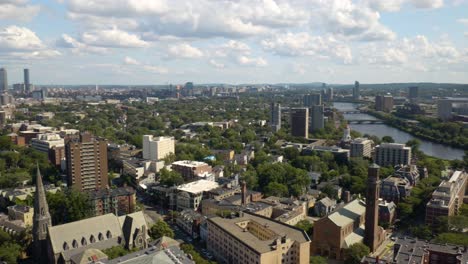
275,119
317,122
330,94
384,103
413,93
356,95
300,122
3,80
312,99
26,80
444,109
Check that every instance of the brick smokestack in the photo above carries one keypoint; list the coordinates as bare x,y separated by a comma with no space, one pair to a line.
244,192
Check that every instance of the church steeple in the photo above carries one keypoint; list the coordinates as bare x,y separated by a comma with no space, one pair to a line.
41,220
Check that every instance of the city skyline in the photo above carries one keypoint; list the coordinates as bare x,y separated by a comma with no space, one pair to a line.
159,42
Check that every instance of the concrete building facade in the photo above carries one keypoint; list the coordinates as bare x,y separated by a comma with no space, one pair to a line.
361,147
392,154
300,122
157,148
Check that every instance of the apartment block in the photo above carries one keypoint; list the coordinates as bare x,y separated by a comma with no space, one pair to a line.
191,169
447,199
86,162
255,239
361,147
392,154
157,148
119,201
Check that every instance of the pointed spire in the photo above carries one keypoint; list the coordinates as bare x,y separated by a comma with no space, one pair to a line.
41,208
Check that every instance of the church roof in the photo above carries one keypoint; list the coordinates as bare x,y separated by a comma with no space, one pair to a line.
87,255
348,213
96,226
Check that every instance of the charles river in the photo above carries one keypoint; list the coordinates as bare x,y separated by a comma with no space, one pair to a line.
380,130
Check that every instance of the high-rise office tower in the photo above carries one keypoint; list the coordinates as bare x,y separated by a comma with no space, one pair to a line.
372,235
312,99
413,93
356,95
300,122
330,94
26,80
275,118
317,122
3,80
86,159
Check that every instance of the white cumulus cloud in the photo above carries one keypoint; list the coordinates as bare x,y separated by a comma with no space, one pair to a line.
184,50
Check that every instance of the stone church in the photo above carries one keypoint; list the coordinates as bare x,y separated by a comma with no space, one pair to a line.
65,243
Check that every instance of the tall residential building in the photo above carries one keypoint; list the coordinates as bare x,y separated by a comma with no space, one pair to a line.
413,93
373,236
252,238
3,80
330,94
86,160
275,118
361,147
312,99
300,122
447,199
41,221
444,109
27,85
317,121
384,103
356,95
392,154
157,148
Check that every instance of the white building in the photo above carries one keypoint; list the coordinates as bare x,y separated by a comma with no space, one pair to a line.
392,154
361,147
157,148
190,195
44,142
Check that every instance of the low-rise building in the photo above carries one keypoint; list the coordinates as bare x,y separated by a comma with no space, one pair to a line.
324,206
387,212
340,154
395,189
447,199
255,239
392,154
22,213
190,195
189,221
191,169
119,201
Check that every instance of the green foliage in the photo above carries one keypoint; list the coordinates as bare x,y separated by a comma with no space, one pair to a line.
318,260
190,250
170,178
117,251
355,253
452,238
306,225
9,249
68,206
282,179
160,229
422,232
388,139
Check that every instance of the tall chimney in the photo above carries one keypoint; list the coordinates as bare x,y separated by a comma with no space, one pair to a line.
244,193
371,236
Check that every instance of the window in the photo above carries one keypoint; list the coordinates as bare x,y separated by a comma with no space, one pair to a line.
92,239
74,243
108,234
65,246
84,242
100,237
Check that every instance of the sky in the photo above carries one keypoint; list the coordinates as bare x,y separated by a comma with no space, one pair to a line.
133,42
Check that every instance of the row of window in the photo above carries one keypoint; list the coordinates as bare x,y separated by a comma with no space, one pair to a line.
84,242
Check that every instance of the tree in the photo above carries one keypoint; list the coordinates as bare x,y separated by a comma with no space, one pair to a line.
355,253
170,178
330,191
160,229
115,252
276,189
318,260
306,226
388,139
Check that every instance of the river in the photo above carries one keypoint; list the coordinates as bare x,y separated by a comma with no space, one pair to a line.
380,130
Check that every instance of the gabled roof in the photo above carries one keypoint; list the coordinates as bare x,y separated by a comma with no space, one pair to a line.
348,213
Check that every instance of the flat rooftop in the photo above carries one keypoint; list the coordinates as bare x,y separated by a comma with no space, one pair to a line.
198,186
189,163
261,246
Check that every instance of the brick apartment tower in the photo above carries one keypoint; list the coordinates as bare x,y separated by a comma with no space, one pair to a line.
371,235
86,163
